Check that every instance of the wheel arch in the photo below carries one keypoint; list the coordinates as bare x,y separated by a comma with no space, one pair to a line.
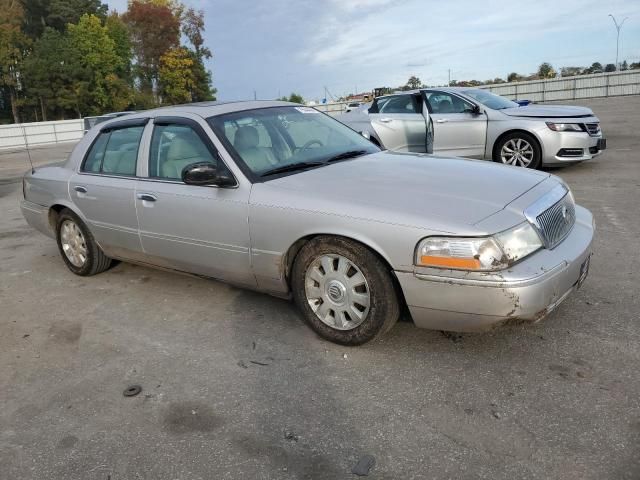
294,249
54,212
517,130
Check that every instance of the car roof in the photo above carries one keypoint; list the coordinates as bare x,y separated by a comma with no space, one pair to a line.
418,90
209,109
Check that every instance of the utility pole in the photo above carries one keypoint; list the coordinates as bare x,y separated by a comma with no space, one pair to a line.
449,83
618,27
255,95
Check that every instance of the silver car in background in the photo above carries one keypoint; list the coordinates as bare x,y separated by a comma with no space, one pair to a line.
283,199
472,122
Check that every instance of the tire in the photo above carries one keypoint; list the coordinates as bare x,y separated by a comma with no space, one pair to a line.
78,248
335,278
529,154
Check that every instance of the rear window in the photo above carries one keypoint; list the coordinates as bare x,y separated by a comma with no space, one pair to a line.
115,152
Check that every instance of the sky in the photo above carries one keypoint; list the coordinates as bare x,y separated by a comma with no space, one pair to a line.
275,47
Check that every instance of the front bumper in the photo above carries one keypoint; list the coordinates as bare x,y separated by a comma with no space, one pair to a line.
474,301
565,147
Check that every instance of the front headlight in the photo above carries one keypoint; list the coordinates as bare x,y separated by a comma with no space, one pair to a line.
565,127
482,254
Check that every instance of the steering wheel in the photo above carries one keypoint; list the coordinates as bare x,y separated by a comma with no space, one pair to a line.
309,143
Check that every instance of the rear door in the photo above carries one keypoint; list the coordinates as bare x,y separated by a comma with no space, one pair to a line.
199,229
104,187
457,129
399,122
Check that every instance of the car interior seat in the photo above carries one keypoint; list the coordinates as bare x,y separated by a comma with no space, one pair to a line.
246,143
182,151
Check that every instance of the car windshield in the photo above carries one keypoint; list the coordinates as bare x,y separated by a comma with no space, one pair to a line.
491,100
286,139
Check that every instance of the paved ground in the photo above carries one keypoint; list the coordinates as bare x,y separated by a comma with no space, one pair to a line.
234,386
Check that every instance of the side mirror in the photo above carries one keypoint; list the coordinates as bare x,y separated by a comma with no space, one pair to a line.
476,110
205,173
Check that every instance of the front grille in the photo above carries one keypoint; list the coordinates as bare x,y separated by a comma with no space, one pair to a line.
593,128
555,223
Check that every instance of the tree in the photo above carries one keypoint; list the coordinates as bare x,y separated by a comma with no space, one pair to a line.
545,70
192,28
96,81
596,67
413,83
610,67
154,29
56,14
176,76
570,71
514,77
294,98
117,31
634,66
13,45
624,66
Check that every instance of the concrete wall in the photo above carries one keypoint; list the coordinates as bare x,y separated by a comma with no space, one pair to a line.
596,85
34,134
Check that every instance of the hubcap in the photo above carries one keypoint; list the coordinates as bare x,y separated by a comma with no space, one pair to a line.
337,292
73,243
517,152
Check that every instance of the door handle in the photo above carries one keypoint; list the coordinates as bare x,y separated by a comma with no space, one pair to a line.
80,189
146,197
442,120
386,120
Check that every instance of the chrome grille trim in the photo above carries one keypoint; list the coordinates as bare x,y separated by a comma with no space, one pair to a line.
553,216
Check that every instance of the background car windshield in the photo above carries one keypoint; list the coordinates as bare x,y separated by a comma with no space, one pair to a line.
269,138
491,100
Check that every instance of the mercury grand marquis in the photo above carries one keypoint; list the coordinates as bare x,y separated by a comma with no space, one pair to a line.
284,199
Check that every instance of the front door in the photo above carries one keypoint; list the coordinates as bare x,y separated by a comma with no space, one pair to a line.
399,123
458,130
200,229
104,188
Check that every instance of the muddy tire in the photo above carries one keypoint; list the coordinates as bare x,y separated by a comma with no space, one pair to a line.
345,292
78,248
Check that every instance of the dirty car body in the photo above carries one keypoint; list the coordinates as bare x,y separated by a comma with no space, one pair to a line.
465,244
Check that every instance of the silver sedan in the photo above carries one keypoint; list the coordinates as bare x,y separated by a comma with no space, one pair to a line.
472,122
282,199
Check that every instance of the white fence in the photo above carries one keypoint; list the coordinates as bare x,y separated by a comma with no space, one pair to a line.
20,135
611,84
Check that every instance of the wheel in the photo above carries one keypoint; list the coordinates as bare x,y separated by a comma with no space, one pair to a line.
344,291
77,246
519,149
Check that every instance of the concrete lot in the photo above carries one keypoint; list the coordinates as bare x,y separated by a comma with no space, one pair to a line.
235,386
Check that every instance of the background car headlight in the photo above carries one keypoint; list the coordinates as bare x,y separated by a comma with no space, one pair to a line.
482,254
565,127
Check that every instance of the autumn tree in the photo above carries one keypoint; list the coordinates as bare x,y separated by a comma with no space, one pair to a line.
176,76
154,29
193,28
118,32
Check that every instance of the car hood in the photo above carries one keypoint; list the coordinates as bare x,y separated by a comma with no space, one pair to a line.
548,111
423,191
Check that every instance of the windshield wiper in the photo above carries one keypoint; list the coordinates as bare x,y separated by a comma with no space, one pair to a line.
346,155
291,168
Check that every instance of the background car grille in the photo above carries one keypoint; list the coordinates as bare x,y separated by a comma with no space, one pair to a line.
592,128
555,223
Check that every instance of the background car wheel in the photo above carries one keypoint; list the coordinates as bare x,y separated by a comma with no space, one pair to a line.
77,246
344,291
519,149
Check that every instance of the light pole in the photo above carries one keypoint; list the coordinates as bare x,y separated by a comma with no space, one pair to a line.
618,27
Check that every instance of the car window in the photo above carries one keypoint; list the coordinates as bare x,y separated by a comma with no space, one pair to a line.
442,102
115,152
173,147
397,104
295,135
